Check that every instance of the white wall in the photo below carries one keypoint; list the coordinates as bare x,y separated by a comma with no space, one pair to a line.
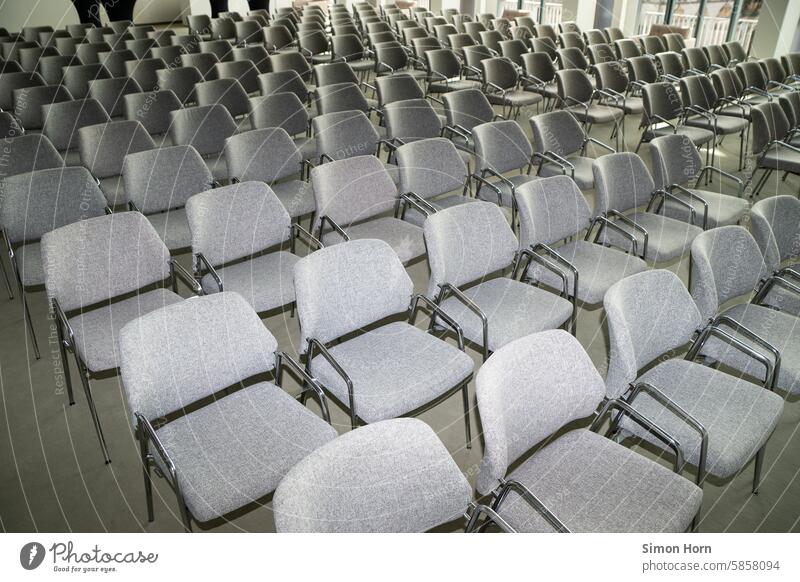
14,14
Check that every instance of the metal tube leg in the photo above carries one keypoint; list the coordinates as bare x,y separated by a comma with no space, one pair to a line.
84,373
62,347
7,280
26,310
146,471
757,472
467,424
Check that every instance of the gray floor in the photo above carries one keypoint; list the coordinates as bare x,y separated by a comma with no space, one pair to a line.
53,477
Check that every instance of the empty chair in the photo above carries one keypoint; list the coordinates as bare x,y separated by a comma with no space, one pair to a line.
285,111
491,39
601,53
77,77
546,46
672,67
392,59
324,491
36,203
153,110
188,43
717,57
466,244
350,195
158,182
89,52
350,48
314,46
181,81
62,121
270,156
141,48
52,68
339,97
245,72
199,24
613,33
578,479
110,93
502,84
291,61
459,41
237,260
389,371
545,31
674,42
103,149
770,128
279,38
623,184
719,276
256,54
612,79
652,45
540,76
29,57
29,153
696,60
676,162
114,61
591,106
642,71
29,100
9,82
572,40
226,92
223,49
282,82
140,260
735,51
205,128
249,32
169,54
594,36
663,113
560,139
465,109
446,73
67,46
203,445
627,49
145,72
203,62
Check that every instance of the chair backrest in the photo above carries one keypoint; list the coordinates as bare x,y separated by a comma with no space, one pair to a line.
674,42
397,88
574,83
332,73
181,81
103,147
226,92
726,263
28,103
282,81
663,100
572,58
716,55
550,210
77,77
189,43
63,120
160,179
344,134
752,75
675,160
115,60
649,314
430,167
28,153
153,110
769,123
695,58
442,64
52,68
256,54
539,65
326,489
557,131
142,47
527,390
545,45
501,146
110,93
652,45
499,71
221,342
698,90
344,287
411,119
249,31
545,31
622,182
29,57
220,47
467,243
726,83
642,69
277,36
595,36
11,81
88,52
236,221
601,54
735,50
467,108
613,33
671,63
284,110
78,272
627,48
37,202
206,128
572,40
264,155
775,223
293,61
340,97
203,62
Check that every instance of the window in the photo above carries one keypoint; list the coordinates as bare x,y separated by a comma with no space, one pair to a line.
650,12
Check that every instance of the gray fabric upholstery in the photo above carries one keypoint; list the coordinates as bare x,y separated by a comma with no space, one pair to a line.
649,314
739,416
344,287
63,120
104,147
29,100
345,134
501,146
226,92
467,108
111,93
395,369
392,476
77,78
284,110
28,153
181,81
152,110
405,238
262,154
76,257
526,391
144,71
297,196
412,119
206,128
776,227
172,227
11,81
560,132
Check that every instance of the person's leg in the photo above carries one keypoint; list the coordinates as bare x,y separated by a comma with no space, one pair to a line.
88,11
119,9
218,6
258,4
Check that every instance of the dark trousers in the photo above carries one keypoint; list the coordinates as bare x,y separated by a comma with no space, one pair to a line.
218,6
89,10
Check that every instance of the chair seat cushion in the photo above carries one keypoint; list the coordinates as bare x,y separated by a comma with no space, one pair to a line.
490,195
698,135
599,267
738,416
307,147
173,228
515,98
266,282
597,113
297,196
113,188
781,330
723,209
454,85
362,64
667,238
725,124
406,239
237,449
395,369
513,310
414,216
416,73
781,158
583,177
29,263
592,484
96,331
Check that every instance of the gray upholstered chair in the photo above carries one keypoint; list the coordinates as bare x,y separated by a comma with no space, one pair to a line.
257,54
145,72
103,149
286,111
554,209
589,105
467,244
578,481
338,97
270,156
351,196
623,184
232,449
351,484
561,140
727,264
392,370
158,182
430,170
93,297
153,111
181,81
28,153
720,421
203,62
226,92
63,121
205,128
771,145
464,110
235,259
676,163
503,84
775,224
664,115
446,73
29,100
245,72
283,81
11,81
35,203
110,93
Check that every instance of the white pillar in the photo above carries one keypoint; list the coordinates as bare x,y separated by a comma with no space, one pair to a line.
777,23
624,16
580,11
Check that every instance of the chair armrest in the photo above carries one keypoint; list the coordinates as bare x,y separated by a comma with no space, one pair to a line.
201,258
63,319
590,139
283,359
315,344
560,161
414,201
476,510
498,117
605,222
669,193
660,119
757,91
454,129
484,182
627,221
469,303
177,270
543,248
497,88
414,307
780,85
721,173
507,486
148,433
299,231
324,157
305,168
766,286
338,229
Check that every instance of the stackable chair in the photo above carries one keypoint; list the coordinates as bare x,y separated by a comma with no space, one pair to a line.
159,182
540,76
286,111
153,111
62,122
28,153
181,81
221,450
385,372
720,275
86,290
29,100
446,73
35,203
772,152
351,194
464,110
553,210
503,84
110,93
591,106
677,163
579,480
226,92
326,491
144,71
466,245
11,81
206,129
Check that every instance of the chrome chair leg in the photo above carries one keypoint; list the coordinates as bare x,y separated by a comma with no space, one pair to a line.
84,373
757,472
467,423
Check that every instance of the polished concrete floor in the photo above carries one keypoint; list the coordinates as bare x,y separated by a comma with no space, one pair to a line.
53,477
